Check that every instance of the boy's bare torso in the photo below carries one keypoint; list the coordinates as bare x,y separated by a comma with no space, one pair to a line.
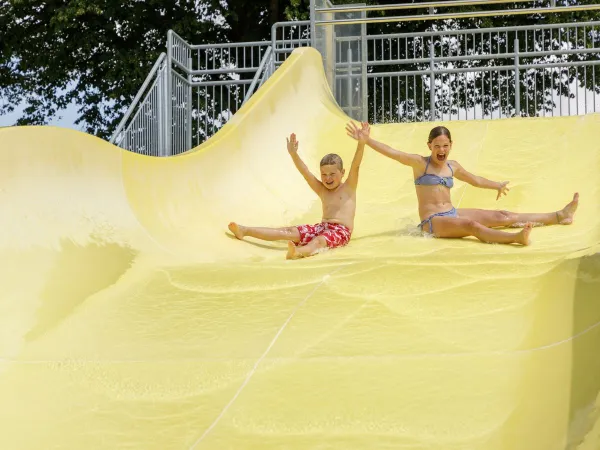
339,205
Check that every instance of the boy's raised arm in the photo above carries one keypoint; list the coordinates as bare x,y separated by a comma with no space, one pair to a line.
313,182
361,135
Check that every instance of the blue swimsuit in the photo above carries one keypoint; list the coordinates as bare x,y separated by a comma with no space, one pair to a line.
430,179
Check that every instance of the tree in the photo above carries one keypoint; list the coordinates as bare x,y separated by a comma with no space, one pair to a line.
97,53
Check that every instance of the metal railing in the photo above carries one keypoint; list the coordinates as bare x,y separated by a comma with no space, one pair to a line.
265,70
445,16
287,36
220,79
484,73
448,74
330,8
143,133
191,92
426,76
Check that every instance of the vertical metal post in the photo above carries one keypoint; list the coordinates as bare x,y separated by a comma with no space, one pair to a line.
313,35
517,80
160,100
274,44
333,75
326,45
188,119
364,51
431,81
168,96
349,92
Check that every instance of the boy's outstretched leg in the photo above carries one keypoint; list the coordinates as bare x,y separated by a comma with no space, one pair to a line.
266,234
495,219
309,249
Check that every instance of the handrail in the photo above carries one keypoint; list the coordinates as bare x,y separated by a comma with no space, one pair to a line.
463,15
423,5
174,34
476,57
293,23
552,26
229,45
267,58
504,68
138,96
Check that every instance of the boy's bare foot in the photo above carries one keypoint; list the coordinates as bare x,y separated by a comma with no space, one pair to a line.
522,237
237,230
292,253
565,217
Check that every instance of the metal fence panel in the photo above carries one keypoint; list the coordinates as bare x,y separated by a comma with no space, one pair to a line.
451,74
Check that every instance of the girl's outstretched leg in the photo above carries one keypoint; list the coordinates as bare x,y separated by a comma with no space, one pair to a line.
495,219
450,227
566,215
266,234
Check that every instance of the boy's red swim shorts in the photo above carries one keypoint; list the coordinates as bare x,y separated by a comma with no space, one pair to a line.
336,234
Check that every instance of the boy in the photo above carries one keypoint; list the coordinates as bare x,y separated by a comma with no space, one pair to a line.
338,200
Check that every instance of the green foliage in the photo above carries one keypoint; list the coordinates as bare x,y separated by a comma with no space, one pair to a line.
97,53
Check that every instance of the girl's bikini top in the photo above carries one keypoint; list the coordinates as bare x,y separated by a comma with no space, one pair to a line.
430,179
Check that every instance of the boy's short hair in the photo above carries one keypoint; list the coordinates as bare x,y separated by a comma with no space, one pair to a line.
330,159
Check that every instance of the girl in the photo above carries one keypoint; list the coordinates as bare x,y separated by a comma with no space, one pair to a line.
434,178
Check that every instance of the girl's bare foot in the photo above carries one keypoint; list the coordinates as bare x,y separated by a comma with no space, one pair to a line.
237,230
565,217
292,253
522,237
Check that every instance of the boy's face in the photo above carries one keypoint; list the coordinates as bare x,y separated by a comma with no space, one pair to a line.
331,176
440,149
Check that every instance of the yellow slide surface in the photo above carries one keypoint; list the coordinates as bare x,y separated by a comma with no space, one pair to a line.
131,319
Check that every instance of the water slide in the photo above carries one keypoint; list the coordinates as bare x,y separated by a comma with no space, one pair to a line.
130,318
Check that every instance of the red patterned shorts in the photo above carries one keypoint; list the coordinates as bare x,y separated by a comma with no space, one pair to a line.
336,235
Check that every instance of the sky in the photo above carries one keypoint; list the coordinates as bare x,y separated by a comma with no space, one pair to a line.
65,118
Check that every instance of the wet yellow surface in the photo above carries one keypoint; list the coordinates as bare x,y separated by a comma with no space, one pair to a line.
129,318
